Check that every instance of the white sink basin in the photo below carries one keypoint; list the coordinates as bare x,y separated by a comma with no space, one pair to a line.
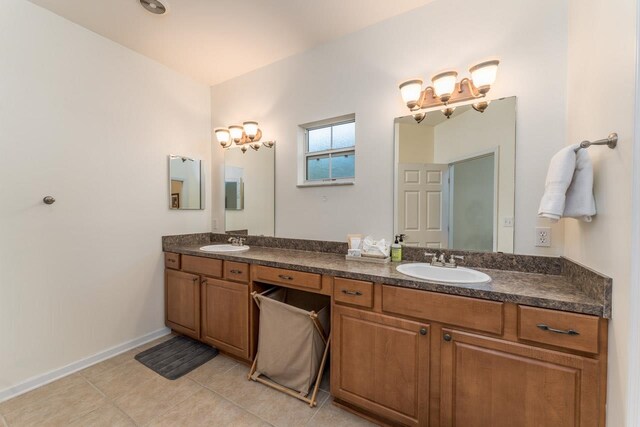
442,274
224,248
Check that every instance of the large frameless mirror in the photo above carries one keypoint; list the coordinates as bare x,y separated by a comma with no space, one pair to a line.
455,178
185,183
249,190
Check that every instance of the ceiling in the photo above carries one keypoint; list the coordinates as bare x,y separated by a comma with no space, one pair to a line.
215,40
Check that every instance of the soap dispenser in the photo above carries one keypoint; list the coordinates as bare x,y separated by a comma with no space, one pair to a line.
396,251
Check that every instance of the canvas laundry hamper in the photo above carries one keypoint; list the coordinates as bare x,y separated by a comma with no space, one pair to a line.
293,340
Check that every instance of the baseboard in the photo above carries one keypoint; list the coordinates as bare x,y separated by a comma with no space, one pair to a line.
40,380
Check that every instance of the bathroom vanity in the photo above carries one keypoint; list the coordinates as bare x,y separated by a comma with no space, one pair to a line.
526,349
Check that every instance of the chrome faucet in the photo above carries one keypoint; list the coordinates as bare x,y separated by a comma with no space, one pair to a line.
440,260
236,241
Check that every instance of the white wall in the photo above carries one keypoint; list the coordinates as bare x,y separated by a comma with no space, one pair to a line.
601,90
91,123
360,74
471,133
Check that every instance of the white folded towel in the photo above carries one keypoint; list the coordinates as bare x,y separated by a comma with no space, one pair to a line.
580,202
569,186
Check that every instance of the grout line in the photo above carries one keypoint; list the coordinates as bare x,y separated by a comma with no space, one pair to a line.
318,410
239,406
170,407
110,401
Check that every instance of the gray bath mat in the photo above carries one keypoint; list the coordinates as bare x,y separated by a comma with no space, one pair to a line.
176,357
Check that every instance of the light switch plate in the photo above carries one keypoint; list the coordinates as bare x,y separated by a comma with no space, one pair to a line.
543,237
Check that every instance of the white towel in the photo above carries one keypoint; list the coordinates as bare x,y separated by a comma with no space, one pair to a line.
580,202
569,186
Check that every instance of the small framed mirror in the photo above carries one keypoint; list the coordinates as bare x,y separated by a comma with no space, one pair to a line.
185,183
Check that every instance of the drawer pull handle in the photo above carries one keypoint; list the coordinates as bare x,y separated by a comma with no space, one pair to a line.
171,260
285,277
557,331
236,271
195,279
354,293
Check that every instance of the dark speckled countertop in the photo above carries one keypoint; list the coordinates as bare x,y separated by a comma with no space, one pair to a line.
540,290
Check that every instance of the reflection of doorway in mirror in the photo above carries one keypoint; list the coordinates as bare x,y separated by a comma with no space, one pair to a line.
176,190
473,207
423,204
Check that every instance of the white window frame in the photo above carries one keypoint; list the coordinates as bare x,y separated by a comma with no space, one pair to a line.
326,153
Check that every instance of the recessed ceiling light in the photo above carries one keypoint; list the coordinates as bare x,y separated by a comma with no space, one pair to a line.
154,6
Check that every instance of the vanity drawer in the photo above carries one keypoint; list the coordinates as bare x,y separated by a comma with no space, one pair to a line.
354,292
172,260
471,313
572,331
236,271
289,277
205,266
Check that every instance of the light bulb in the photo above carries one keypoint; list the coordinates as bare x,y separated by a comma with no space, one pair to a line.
444,84
410,91
236,132
483,75
222,135
251,129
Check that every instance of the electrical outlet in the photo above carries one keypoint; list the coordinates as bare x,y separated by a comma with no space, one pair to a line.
507,221
543,237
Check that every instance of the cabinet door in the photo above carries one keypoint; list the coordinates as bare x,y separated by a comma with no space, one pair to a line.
381,364
182,302
225,314
489,382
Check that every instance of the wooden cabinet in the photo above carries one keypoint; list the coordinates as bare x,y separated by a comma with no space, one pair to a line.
381,364
225,316
491,382
182,302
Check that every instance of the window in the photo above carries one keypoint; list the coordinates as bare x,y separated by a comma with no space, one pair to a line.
330,152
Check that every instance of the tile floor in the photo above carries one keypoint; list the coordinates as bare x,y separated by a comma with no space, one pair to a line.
122,392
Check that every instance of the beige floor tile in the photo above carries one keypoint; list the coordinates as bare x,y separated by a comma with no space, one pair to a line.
207,408
271,405
105,416
93,372
331,415
119,380
3,423
40,393
207,373
55,404
146,401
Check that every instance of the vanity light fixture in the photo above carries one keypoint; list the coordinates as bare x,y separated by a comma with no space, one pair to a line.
446,90
249,134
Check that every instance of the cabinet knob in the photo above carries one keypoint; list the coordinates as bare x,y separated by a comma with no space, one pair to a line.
195,279
423,331
447,337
